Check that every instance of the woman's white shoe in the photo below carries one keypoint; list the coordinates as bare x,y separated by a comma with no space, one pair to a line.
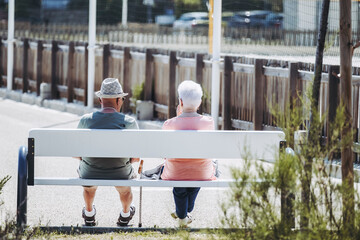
184,222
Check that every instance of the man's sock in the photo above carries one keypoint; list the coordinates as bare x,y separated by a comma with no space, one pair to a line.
91,213
123,214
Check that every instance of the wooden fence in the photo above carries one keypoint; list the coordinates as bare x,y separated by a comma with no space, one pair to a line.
155,34
248,86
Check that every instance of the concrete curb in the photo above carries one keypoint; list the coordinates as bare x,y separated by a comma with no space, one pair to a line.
63,106
59,104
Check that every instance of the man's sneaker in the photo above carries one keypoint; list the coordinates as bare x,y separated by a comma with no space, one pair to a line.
124,221
89,221
183,223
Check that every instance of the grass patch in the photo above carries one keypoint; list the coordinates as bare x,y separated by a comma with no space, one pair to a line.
134,235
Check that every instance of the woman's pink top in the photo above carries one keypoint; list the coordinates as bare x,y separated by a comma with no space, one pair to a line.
188,169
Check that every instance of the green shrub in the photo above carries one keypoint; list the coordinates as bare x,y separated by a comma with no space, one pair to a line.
9,229
138,91
254,207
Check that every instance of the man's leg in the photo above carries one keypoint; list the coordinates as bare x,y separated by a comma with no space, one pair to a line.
89,195
126,197
89,211
128,210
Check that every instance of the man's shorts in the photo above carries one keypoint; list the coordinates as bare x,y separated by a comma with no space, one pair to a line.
89,172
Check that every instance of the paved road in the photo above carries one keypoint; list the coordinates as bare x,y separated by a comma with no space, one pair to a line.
58,205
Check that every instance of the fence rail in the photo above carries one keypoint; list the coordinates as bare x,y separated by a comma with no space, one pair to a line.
248,86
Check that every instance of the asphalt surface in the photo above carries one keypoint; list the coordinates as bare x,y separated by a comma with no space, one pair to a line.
62,206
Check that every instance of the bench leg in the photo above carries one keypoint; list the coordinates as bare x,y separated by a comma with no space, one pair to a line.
140,207
22,188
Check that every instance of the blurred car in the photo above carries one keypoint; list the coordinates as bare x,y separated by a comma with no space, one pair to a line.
256,19
190,20
274,20
165,20
225,17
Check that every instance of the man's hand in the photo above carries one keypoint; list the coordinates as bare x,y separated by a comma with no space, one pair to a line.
132,160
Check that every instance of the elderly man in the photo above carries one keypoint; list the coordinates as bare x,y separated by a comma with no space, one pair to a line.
111,98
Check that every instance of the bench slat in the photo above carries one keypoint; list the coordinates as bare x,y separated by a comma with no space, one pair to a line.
156,143
132,182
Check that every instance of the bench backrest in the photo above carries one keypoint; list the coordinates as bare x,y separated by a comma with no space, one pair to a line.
155,143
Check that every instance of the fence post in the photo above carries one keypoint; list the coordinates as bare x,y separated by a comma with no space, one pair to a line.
226,94
25,65
1,62
258,116
70,73
106,55
54,91
126,78
293,85
199,74
333,98
172,87
39,66
148,94
86,52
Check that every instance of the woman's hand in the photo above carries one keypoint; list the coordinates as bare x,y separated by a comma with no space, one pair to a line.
132,160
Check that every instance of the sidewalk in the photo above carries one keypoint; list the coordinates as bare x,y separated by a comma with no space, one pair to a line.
63,106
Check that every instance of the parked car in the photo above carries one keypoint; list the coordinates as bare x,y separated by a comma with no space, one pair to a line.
225,18
274,20
165,20
190,20
256,19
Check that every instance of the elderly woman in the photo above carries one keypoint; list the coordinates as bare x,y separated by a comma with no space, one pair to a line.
187,118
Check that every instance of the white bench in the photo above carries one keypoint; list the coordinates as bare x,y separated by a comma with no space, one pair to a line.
262,145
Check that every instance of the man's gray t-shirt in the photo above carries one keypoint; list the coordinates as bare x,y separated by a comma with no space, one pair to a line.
106,168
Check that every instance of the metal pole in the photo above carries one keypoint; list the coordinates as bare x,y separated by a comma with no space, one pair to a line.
215,77
91,52
140,201
124,13
211,25
10,43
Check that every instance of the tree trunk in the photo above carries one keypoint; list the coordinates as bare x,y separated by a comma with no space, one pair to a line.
347,167
314,131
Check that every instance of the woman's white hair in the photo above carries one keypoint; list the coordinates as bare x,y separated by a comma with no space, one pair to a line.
190,93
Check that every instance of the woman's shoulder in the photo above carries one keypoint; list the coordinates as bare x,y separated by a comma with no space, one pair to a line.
207,122
206,118
168,124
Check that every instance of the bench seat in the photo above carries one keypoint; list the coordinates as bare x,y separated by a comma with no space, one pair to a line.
131,183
